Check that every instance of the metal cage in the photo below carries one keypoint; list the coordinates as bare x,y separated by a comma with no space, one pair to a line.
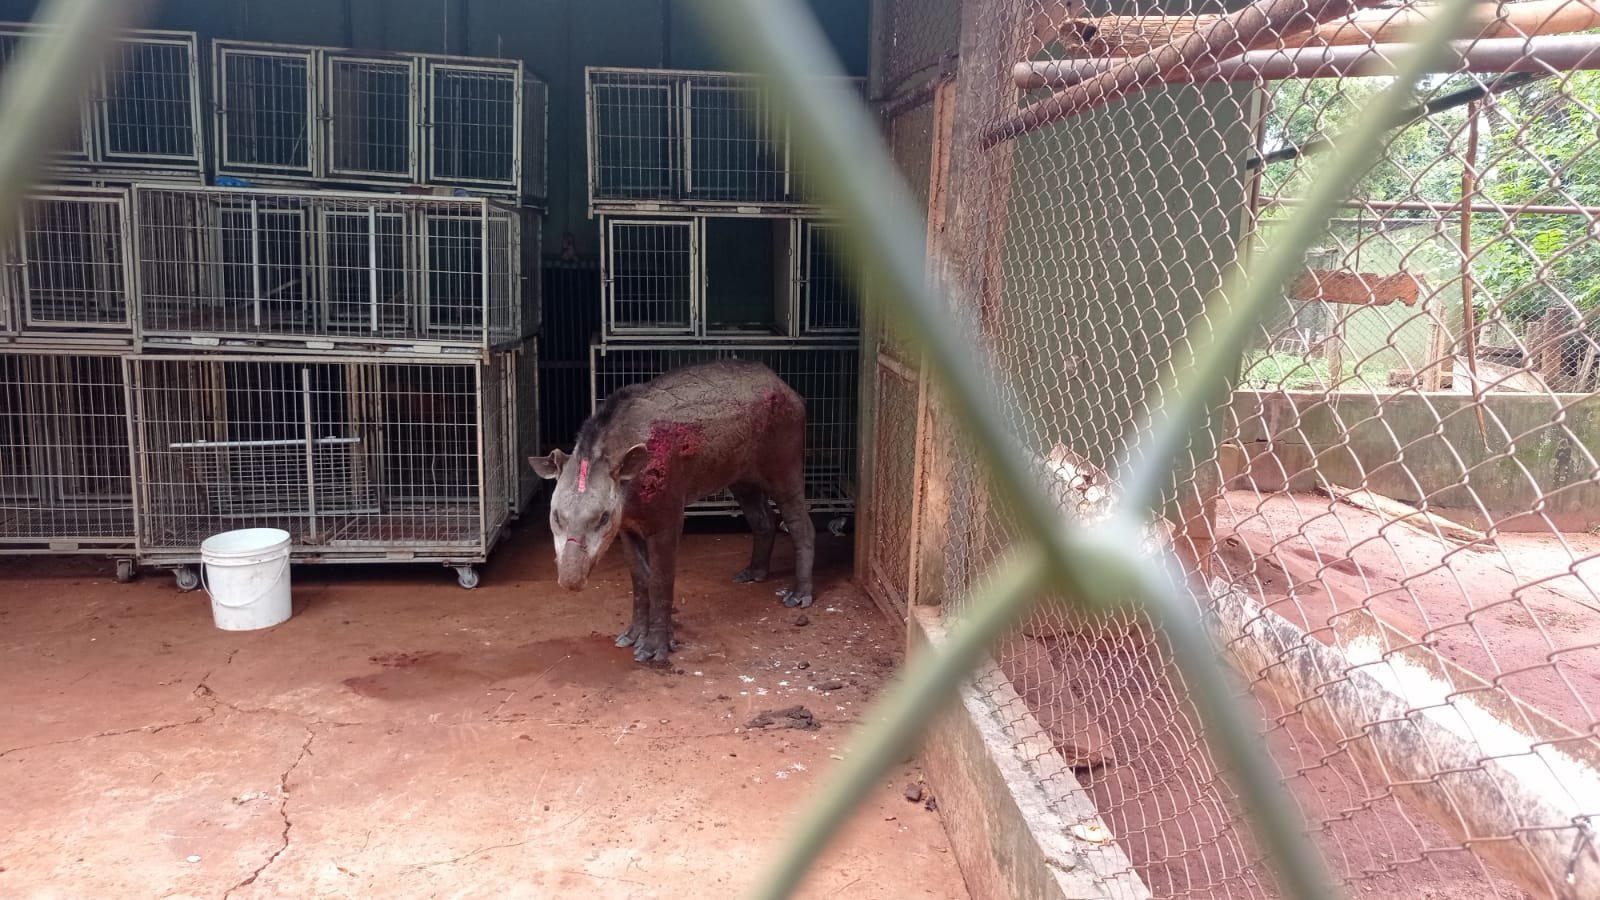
142,118
521,372
69,269
320,269
65,470
295,113
825,375
360,461
758,278
703,140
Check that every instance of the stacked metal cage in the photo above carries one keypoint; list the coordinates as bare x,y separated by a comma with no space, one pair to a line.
66,319
311,344
326,270
141,118
711,249
296,113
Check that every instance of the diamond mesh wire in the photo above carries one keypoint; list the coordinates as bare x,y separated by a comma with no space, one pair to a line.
1392,522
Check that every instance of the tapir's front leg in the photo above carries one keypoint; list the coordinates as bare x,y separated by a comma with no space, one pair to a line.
638,559
663,569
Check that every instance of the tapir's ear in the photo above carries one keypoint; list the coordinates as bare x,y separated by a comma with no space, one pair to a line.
632,464
548,466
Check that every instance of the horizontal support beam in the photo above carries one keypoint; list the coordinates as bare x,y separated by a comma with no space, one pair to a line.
1446,209
1124,36
1553,54
1258,25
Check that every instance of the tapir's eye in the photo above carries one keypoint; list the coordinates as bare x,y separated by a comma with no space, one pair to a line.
605,517
557,517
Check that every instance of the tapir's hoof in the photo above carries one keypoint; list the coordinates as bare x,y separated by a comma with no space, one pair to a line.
630,636
653,651
750,575
792,600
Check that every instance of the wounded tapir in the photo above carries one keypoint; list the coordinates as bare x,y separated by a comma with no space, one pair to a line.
655,447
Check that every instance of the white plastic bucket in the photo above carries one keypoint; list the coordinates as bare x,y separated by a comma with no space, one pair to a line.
246,573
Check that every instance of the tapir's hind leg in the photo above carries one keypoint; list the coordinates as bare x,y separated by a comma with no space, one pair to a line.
758,512
797,516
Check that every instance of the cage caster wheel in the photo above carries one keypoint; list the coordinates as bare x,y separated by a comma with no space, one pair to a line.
124,571
188,579
467,577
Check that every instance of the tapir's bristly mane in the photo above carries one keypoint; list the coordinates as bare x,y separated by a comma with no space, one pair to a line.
589,435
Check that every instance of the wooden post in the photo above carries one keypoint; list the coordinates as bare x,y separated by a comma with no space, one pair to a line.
930,516
1545,356
1469,316
1333,350
1436,375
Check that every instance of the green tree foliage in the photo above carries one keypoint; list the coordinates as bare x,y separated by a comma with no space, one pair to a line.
1539,144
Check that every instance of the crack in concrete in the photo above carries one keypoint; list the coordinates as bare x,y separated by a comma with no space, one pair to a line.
201,689
307,721
283,813
447,862
142,729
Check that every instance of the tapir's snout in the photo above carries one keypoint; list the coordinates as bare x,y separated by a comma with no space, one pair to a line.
573,565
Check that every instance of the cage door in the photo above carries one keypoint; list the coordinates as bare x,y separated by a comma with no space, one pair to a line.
267,103
151,99
651,280
827,292
262,279
21,485
74,261
473,125
365,283
635,128
455,294
372,118
730,156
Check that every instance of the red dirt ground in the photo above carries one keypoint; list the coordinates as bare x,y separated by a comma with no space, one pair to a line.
401,737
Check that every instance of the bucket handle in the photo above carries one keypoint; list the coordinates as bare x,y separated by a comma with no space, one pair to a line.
207,588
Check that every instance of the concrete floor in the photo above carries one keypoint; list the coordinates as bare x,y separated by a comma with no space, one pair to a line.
402,737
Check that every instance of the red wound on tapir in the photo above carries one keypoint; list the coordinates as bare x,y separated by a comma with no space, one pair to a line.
583,476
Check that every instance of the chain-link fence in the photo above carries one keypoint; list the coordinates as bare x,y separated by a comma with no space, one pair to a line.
1394,521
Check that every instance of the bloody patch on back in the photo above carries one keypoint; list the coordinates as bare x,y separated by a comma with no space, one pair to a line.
668,441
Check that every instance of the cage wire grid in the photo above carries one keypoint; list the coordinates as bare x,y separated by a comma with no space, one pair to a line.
1391,521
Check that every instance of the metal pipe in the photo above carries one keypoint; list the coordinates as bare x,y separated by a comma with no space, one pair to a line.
918,96
372,268
1556,53
255,261
1261,21
1532,209
311,455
